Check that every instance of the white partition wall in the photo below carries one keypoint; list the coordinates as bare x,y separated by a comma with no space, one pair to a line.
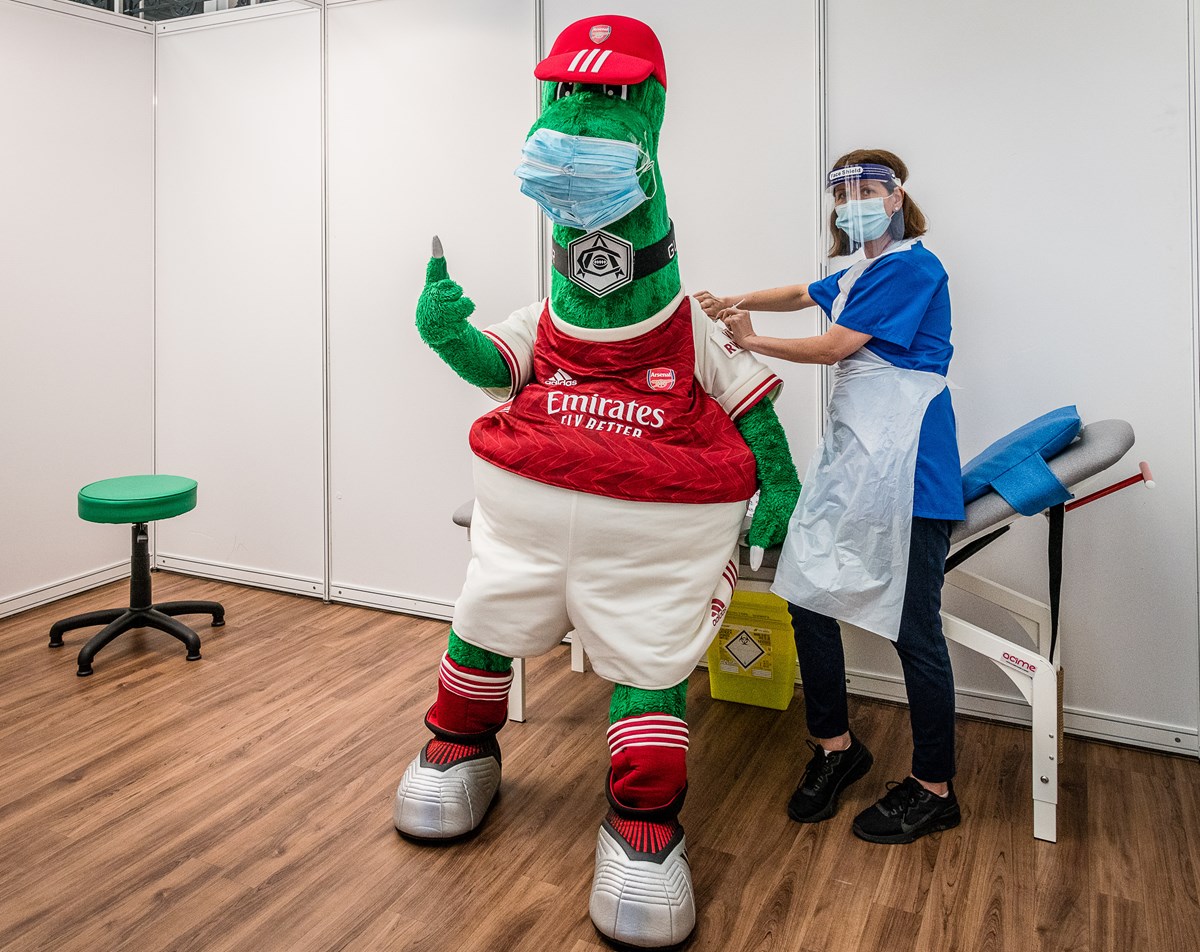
223,286
240,405
428,106
1049,148
76,288
739,158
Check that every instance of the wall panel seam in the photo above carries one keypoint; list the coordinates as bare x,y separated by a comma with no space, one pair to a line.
1194,215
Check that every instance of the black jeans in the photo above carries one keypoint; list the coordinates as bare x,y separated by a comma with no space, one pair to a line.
928,677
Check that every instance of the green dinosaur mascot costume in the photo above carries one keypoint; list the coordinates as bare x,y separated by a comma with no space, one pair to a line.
611,483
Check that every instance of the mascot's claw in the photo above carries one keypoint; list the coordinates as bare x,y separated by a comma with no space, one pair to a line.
756,557
437,247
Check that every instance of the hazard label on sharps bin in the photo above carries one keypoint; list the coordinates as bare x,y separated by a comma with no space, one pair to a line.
744,648
753,658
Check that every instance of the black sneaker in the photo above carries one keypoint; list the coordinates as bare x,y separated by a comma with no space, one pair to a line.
826,776
907,812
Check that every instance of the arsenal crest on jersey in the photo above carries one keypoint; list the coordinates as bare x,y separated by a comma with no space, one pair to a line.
660,378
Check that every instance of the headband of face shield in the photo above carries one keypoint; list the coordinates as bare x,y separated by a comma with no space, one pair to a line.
861,203
581,181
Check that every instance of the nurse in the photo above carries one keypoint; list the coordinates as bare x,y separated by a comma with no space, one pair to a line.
868,541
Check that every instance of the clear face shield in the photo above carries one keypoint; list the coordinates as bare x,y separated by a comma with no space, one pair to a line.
863,208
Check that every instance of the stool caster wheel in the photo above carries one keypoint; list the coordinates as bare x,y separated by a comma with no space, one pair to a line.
194,657
56,643
83,672
219,622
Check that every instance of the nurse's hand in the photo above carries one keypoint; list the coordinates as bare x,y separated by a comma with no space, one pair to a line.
710,304
737,323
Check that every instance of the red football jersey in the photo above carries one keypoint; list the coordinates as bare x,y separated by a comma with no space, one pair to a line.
623,418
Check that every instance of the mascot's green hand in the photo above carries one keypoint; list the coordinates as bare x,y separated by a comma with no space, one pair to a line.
442,311
778,481
771,517
442,314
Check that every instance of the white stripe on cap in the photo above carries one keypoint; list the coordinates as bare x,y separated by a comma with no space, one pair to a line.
588,62
600,61
575,61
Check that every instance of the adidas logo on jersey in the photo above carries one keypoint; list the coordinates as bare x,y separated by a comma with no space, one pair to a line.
560,379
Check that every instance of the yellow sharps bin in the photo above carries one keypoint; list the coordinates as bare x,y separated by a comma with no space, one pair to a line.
753,658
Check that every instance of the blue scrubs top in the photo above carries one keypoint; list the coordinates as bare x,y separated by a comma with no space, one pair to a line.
903,302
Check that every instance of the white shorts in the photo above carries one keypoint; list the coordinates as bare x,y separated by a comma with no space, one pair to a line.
643,585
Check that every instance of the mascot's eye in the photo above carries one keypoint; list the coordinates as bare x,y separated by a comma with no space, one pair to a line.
563,90
604,89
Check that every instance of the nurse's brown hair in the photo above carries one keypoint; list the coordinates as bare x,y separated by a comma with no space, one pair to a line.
914,220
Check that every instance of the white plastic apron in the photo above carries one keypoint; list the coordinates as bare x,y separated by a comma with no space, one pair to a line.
846,551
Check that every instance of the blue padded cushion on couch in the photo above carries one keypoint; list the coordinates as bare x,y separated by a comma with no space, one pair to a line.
1015,465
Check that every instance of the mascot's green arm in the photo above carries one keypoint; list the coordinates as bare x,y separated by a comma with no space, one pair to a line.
442,314
779,486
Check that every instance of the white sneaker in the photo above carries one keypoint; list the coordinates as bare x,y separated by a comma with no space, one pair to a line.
642,891
447,789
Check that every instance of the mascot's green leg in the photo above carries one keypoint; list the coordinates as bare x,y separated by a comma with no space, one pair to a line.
630,702
480,658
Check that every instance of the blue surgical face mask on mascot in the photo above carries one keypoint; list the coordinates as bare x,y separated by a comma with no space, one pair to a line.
580,181
864,220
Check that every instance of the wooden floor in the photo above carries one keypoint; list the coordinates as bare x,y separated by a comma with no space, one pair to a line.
243,802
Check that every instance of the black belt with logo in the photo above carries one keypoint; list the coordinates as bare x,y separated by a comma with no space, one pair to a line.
645,260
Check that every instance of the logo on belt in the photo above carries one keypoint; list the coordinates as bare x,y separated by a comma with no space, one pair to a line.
600,262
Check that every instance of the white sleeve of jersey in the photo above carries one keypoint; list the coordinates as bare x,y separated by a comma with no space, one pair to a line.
513,337
735,378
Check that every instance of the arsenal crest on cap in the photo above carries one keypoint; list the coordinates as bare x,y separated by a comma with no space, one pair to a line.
599,33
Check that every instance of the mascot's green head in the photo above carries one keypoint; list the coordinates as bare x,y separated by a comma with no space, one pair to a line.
591,163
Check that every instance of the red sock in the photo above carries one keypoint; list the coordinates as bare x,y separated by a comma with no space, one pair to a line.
649,760
469,701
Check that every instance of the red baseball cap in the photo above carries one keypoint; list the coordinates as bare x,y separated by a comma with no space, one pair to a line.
608,49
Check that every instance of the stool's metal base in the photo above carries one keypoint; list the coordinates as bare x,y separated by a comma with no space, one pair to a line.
141,614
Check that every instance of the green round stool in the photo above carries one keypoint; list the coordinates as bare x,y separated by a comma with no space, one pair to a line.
138,500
